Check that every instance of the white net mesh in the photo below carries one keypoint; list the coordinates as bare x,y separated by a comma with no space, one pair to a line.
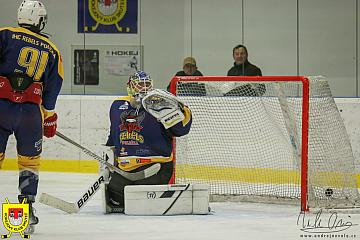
246,139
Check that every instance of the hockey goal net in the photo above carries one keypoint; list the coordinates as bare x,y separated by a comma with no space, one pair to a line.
272,139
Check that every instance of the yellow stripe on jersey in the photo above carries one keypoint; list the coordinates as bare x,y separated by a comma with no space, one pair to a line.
29,162
187,114
46,114
27,31
52,45
131,163
124,98
60,67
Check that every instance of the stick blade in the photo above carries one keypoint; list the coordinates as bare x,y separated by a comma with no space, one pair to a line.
58,203
154,169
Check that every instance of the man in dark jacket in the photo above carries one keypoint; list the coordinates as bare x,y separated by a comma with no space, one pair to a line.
242,67
190,69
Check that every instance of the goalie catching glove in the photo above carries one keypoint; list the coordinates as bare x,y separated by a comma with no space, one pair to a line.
164,106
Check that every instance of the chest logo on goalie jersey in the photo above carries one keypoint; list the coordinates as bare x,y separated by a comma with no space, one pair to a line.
130,127
124,106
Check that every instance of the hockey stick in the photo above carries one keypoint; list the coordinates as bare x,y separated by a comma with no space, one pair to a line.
90,192
148,172
290,124
76,206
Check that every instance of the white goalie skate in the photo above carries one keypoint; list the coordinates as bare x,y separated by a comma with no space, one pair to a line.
33,220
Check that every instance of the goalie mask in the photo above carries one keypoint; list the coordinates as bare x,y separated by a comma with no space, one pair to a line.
32,15
139,85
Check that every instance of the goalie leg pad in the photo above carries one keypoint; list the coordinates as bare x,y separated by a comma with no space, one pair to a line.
113,192
176,199
115,188
109,206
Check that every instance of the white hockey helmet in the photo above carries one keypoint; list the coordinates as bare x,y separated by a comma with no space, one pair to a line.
139,84
32,14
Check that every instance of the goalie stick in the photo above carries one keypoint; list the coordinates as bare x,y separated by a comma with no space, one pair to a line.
75,207
131,176
290,124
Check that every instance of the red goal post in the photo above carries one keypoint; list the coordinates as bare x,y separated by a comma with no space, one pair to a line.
241,103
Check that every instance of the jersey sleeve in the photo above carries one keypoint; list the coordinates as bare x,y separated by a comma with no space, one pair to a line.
114,122
3,40
52,83
1,44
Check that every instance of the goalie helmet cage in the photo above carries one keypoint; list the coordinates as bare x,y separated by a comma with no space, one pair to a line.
268,139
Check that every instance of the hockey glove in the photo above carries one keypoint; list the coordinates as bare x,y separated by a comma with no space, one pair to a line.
164,106
50,125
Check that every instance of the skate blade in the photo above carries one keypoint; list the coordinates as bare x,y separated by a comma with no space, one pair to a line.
29,230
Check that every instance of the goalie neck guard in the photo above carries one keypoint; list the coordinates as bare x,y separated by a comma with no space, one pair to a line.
139,85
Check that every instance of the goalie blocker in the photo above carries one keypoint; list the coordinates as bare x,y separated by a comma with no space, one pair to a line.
176,199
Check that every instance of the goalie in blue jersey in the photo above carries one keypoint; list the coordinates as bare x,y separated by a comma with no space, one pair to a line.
142,127
31,75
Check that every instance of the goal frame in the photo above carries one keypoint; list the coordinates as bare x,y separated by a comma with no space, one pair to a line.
304,118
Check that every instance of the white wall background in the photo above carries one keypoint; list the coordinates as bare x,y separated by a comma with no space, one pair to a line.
284,37
85,119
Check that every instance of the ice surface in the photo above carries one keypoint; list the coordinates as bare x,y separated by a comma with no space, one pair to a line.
228,221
